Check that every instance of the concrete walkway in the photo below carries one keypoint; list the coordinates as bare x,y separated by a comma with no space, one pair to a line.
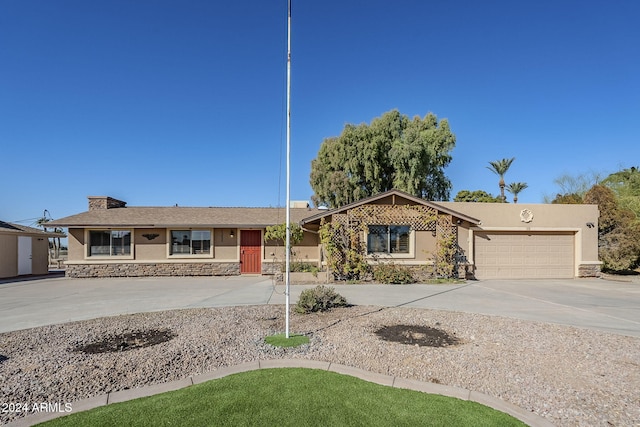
586,303
527,417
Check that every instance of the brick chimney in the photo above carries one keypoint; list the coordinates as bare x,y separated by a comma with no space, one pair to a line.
104,202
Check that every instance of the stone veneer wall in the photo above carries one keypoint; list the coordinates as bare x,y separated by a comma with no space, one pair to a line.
153,269
272,267
589,270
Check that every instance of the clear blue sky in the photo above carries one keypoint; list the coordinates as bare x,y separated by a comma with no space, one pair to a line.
159,102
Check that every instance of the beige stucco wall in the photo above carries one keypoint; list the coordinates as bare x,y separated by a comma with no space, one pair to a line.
308,250
546,217
75,238
224,246
423,245
146,249
8,255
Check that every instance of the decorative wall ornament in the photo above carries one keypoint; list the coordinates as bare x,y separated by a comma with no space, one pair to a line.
526,215
150,236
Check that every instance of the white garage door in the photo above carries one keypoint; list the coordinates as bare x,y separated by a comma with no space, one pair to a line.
509,255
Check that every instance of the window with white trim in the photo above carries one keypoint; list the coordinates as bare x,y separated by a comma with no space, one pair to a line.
190,242
109,242
389,239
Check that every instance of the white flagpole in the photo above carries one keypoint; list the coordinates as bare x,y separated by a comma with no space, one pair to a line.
288,221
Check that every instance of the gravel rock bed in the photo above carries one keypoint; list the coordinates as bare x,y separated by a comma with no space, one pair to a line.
571,376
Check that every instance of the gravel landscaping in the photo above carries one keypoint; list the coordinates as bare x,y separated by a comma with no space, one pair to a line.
572,377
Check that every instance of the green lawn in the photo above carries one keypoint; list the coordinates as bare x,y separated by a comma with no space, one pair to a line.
290,397
280,340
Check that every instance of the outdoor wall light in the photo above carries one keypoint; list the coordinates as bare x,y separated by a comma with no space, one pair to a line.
231,234
590,225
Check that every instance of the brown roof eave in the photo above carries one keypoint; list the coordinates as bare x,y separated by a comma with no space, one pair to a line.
102,225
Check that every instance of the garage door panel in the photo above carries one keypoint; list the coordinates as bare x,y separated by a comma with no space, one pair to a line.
511,255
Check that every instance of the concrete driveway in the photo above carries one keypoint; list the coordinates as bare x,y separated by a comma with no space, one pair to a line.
587,303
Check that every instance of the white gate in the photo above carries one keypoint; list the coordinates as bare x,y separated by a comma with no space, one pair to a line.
25,255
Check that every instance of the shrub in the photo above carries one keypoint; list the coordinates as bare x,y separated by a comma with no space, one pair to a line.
302,267
393,274
320,298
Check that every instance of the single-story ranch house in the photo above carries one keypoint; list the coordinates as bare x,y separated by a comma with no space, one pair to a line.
23,250
492,240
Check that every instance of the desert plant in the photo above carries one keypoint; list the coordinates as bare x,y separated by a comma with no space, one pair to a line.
445,258
344,250
278,233
303,267
392,274
320,298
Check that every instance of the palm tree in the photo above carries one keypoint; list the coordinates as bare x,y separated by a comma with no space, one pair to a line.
42,222
500,167
515,188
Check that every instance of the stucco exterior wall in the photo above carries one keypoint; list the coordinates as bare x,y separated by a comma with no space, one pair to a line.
425,245
581,220
308,250
225,246
75,240
149,247
544,215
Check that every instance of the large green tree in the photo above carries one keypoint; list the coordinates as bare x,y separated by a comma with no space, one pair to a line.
476,196
618,230
393,151
573,188
626,185
567,199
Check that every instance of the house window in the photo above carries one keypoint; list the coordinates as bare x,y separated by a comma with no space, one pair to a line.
109,242
190,242
390,239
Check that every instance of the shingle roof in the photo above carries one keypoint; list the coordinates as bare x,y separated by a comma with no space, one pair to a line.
183,216
9,227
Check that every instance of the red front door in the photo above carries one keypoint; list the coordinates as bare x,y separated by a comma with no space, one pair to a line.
250,251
